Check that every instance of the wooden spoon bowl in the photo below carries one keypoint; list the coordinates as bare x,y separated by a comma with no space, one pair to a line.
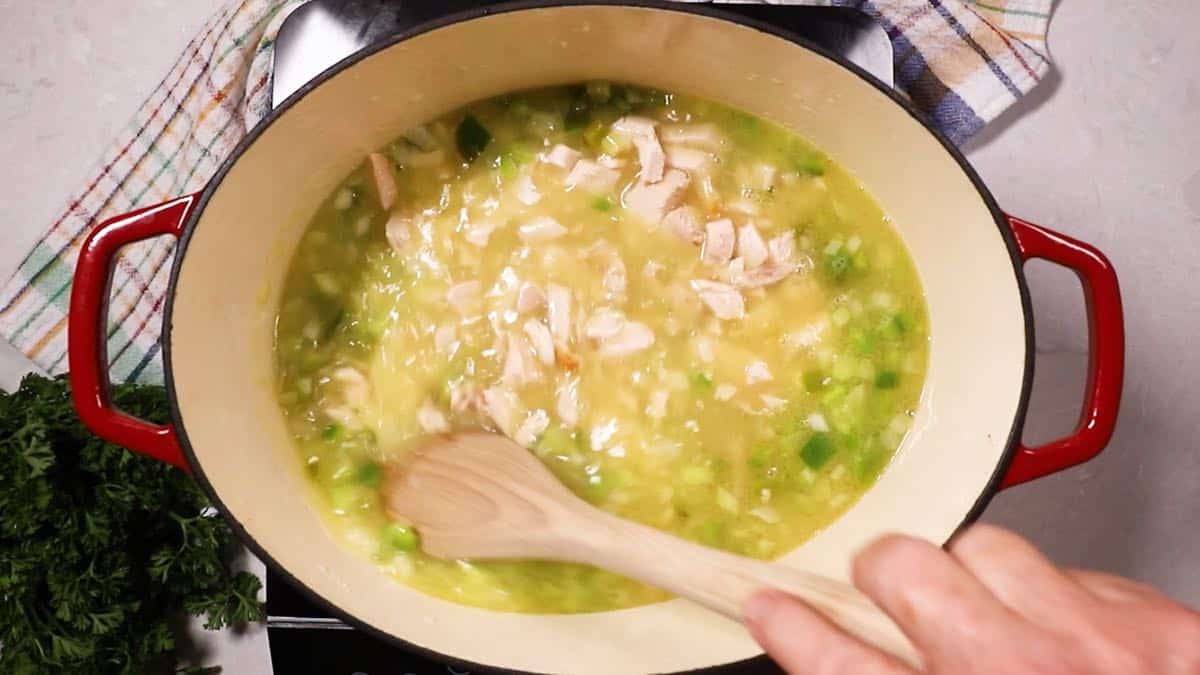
481,496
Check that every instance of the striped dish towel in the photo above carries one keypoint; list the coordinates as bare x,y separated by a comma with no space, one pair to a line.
960,61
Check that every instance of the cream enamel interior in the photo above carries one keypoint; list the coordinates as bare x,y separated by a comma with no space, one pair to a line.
221,323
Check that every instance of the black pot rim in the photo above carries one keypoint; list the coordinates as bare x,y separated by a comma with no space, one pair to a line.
177,421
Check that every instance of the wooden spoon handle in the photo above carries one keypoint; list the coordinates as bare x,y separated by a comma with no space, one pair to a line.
725,582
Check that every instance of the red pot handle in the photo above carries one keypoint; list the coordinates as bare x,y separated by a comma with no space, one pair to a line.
87,329
1106,368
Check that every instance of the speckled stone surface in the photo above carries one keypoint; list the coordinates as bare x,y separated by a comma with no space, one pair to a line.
1107,150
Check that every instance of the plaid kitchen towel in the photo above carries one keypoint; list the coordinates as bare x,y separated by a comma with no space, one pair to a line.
960,61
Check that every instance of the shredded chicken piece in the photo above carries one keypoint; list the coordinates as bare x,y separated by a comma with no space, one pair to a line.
808,336
464,297
519,364
615,280
465,396
535,423
399,232
696,135
559,311
684,222
633,337
745,207
540,339
500,404
724,300
763,275
610,162
431,420
757,371
764,176
645,140
541,229
479,235
782,247
592,177
652,268
708,193
562,156
566,403
527,192
657,407
385,182
688,159
565,357
750,246
445,338
603,324
704,349
652,201
356,390
724,392
530,298
719,241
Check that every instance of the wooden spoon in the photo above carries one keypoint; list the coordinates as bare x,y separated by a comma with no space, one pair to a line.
482,496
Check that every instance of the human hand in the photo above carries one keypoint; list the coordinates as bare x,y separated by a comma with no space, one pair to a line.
990,604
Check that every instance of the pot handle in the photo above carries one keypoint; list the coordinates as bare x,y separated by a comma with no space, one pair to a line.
1106,367
87,329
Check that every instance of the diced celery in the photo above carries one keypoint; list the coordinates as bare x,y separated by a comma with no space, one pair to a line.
331,433
702,383
887,379
369,475
472,137
696,475
599,91
818,450
401,537
814,380
727,501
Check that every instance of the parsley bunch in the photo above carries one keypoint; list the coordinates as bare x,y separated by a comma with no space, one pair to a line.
99,547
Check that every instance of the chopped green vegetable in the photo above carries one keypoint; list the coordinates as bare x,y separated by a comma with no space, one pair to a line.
811,163
401,537
472,138
899,324
579,112
599,91
726,500
369,475
603,204
702,383
887,379
863,342
836,265
102,549
697,475
814,380
594,134
817,450
331,432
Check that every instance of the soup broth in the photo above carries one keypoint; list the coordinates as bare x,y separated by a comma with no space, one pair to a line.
692,316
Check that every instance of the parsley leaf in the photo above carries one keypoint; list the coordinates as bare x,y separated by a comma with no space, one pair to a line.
100,549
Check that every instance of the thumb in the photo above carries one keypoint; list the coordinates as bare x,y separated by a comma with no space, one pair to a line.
803,642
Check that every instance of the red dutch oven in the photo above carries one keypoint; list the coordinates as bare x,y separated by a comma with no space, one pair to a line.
236,237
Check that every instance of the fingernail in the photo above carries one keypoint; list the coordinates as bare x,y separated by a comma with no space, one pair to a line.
759,608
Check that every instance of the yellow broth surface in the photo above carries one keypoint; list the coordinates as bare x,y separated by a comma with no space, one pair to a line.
557,265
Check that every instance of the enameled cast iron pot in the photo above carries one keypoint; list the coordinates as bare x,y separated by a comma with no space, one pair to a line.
236,237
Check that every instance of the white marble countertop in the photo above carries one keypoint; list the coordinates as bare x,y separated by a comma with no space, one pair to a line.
1107,150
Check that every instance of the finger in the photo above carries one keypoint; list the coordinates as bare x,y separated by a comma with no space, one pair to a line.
1019,575
1109,587
802,642
950,616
